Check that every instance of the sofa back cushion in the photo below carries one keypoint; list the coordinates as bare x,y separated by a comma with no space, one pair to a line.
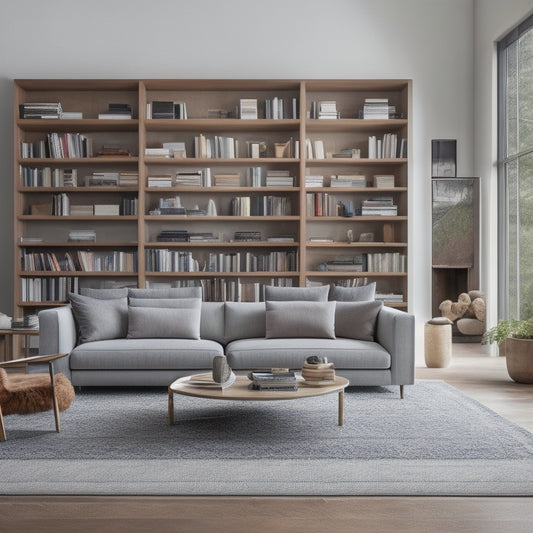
177,318
300,319
244,320
171,292
357,320
353,294
99,319
315,294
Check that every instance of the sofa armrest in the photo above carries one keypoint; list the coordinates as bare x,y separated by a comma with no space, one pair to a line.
395,331
57,334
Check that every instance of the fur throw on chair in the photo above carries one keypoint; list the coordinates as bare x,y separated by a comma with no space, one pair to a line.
32,393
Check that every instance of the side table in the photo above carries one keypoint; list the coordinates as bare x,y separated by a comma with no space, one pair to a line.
6,341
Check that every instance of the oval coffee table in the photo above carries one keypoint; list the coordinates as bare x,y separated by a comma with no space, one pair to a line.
239,391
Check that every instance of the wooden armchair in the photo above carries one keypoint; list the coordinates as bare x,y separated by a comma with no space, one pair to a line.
33,393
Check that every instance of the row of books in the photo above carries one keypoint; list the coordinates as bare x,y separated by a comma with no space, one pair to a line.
49,289
386,262
112,179
380,206
227,290
85,261
164,260
276,261
260,206
48,177
387,147
58,146
276,108
61,206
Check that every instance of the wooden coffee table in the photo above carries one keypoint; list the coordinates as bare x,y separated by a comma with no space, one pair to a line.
240,391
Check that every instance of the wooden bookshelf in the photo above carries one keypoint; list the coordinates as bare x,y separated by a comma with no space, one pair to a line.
211,111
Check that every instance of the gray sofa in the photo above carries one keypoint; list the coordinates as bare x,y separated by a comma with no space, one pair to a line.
243,333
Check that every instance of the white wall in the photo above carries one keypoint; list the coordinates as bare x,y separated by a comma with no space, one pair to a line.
493,19
429,41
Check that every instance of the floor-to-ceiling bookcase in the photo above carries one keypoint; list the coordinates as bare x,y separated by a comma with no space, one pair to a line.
241,201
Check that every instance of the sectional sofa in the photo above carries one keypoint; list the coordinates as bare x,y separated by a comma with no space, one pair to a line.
149,337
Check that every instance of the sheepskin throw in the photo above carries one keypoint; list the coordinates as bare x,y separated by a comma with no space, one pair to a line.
32,393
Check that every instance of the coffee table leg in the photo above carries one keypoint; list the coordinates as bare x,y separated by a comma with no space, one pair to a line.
341,407
170,407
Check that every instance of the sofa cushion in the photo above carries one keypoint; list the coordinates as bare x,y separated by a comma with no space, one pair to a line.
353,294
104,294
315,294
178,319
212,321
145,354
99,319
249,354
300,319
244,320
171,292
357,320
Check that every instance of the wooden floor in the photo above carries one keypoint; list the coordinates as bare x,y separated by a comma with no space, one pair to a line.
481,377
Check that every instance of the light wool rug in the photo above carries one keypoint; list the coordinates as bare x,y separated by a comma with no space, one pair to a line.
436,441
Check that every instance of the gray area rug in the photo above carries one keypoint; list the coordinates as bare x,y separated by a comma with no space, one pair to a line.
436,441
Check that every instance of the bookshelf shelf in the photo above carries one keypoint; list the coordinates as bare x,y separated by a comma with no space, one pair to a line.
81,125
317,239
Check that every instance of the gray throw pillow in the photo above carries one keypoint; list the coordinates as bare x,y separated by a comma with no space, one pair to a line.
181,322
244,320
100,319
363,293
167,303
357,320
300,319
313,294
104,294
174,292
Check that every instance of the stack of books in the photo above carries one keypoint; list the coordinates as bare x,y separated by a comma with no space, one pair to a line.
41,110
279,178
349,153
228,180
273,381
128,179
325,109
81,210
247,236
376,108
382,206
383,181
318,374
164,180
157,152
350,264
28,322
314,181
166,110
170,235
102,179
348,181
117,112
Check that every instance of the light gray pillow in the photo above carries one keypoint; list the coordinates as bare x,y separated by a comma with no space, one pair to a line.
104,294
244,320
173,292
176,303
300,319
363,293
99,319
181,322
357,320
312,294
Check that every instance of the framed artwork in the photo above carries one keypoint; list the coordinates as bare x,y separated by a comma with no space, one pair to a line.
444,158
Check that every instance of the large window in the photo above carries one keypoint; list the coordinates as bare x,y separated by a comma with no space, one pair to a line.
515,73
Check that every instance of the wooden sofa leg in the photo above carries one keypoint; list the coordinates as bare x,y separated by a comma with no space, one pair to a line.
2,427
401,392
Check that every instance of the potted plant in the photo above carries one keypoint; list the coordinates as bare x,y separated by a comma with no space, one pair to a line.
515,341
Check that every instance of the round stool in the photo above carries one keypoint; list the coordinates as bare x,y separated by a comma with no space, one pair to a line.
438,342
